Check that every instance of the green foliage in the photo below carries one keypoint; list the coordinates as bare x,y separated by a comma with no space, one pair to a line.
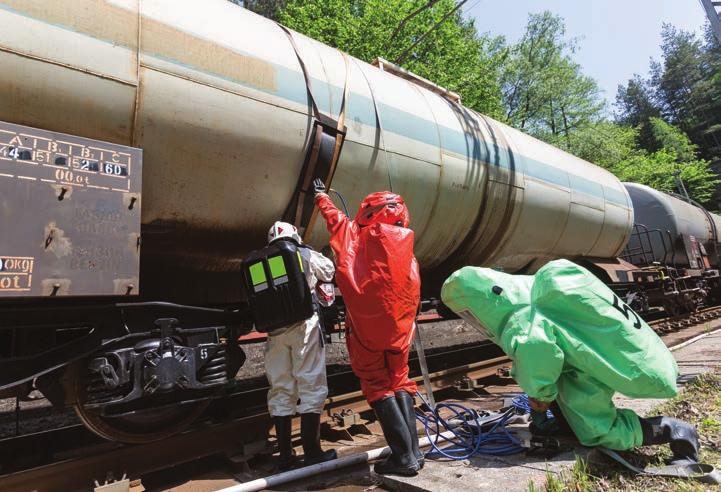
454,55
635,103
576,479
545,92
658,170
266,8
605,143
616,148
666,136
684,88
677,110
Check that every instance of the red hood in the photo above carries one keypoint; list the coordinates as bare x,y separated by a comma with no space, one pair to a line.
383,207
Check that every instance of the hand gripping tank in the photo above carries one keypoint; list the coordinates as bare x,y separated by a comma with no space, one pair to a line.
277,288
215,97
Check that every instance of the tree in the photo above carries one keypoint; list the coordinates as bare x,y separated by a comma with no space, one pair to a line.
454,55
658,170
669,137
634,102
544,91
616,147
688,87
677,110
605,143
266,8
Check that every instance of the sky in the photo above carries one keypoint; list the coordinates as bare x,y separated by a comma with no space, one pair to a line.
617,38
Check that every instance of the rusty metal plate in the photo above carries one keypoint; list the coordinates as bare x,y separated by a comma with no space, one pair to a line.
69,215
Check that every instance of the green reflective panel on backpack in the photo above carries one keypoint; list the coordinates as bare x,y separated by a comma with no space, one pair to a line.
277,267
257,274
277,270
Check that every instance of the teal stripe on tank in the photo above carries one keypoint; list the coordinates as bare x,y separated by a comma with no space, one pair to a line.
586,186
360,109
617,196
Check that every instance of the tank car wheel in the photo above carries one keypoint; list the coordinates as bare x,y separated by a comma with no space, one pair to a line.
142,426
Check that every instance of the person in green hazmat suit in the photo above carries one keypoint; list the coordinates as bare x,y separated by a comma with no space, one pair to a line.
573,344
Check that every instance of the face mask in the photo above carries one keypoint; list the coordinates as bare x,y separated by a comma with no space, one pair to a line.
471,319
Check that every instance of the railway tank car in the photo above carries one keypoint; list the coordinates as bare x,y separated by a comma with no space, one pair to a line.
675,242
218,102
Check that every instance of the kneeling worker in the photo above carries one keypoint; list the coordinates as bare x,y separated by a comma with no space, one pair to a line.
295,365
573,344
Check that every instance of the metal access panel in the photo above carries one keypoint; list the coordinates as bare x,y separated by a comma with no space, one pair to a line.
69,215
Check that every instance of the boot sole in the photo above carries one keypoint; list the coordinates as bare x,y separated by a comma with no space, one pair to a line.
402,472
334,456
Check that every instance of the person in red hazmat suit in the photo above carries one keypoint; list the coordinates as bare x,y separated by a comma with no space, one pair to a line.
378,277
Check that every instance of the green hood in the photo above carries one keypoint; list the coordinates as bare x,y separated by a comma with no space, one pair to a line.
469,292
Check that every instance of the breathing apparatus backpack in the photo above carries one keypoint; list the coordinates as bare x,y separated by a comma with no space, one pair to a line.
275,280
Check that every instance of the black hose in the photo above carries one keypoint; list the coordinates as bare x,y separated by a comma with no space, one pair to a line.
342,200
169,305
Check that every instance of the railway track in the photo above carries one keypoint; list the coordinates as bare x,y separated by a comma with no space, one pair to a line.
669,325
76,469
65,468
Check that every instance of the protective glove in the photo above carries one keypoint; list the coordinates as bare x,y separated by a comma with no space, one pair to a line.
538,405
541,424
318,186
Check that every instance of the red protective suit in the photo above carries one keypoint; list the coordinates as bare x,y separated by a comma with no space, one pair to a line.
379,279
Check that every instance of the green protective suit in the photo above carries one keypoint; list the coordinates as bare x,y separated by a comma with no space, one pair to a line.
572,340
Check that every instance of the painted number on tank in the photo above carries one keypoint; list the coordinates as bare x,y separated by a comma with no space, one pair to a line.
70,177
115,169
18,153
88,165
625,310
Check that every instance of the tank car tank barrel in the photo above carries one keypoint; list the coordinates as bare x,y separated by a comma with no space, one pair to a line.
215,97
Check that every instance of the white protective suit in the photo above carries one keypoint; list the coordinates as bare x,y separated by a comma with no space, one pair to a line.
295,356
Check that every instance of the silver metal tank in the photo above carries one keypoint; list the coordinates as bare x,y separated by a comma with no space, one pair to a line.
680,224
215,97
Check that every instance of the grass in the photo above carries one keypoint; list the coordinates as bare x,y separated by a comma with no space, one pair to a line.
699,403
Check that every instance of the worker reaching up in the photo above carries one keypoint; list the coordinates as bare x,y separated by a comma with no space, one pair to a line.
574,344
378,277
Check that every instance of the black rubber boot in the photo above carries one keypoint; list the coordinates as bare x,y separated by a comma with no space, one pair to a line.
406,403
681,437
310,437
283,430
557,427
402,461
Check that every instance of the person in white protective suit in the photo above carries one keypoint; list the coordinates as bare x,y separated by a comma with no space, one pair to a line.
295,365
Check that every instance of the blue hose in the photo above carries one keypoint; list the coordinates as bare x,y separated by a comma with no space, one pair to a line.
521,404
468,439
